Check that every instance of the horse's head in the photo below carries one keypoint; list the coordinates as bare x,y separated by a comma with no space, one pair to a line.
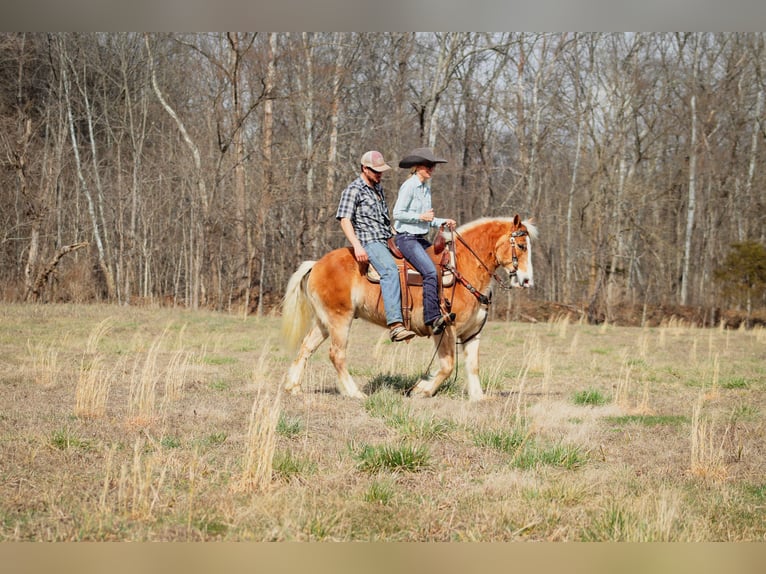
514,252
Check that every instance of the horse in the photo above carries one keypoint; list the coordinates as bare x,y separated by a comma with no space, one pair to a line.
323,297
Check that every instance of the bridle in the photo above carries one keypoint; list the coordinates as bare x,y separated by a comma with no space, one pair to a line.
514,256
514,261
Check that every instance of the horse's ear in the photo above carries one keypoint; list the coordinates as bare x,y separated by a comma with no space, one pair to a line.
517,220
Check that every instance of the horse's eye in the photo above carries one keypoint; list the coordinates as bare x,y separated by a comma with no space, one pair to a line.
522,246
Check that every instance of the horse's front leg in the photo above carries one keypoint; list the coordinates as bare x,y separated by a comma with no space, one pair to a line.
311,341
340,326
471,358
445,344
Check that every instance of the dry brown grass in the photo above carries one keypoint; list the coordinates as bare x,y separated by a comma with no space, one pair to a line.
155,424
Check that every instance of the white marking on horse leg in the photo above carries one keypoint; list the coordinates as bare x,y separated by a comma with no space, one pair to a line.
311,342
427,386
338,344
471,357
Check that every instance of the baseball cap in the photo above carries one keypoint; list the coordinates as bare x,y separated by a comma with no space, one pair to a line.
374,160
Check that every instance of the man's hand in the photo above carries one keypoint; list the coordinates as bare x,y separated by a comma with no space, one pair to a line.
360,254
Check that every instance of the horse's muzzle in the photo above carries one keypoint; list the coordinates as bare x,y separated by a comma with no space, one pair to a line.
523,282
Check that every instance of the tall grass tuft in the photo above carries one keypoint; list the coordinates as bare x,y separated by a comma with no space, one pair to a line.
707,455
139,485
261,441
46,365
142,397
176,374
92,389
98,333
399,458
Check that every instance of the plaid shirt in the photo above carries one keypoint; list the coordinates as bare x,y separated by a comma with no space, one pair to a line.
367,209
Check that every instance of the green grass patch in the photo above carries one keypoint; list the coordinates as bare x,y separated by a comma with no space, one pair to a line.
757,492
65,439
212,528
385,404
559,455
392,409
591,397
502,440
399,458
735,383
613,524
289,426
170,442
745,413
648,420
219,360
287,466
392,381
423,428
219,385
213,440
379,492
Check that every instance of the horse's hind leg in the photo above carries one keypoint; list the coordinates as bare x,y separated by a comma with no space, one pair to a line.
311,342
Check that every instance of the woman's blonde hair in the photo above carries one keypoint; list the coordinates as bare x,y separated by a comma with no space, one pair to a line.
415,167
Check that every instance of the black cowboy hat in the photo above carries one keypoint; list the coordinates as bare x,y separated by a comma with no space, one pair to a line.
420,156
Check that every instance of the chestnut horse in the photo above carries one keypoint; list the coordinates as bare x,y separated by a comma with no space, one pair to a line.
323,298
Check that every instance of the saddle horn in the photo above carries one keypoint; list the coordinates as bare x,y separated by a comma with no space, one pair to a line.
440,242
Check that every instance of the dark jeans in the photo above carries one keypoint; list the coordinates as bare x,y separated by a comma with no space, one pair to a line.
413,247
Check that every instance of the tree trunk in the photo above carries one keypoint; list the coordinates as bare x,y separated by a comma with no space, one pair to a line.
692,195
92,209
198,245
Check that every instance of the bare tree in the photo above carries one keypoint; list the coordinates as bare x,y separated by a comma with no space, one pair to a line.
95,204
639,154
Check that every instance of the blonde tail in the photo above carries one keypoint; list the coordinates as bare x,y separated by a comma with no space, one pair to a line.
297,312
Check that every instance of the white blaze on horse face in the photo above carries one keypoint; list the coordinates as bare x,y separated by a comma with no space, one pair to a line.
524,276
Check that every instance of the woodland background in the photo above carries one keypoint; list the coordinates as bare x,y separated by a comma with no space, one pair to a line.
198,170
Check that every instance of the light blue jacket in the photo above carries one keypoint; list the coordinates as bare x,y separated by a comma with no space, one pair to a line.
413,200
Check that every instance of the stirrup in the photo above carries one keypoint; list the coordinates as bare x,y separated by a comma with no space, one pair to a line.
441,323
399,334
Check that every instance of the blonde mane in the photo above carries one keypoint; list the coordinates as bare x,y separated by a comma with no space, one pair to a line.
528,223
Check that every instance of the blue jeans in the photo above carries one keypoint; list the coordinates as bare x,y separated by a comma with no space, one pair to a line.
390,289
413,247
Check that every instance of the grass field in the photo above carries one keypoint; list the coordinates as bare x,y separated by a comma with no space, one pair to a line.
129,424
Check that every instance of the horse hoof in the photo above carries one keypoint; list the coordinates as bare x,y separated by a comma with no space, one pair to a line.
294,390
420,393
